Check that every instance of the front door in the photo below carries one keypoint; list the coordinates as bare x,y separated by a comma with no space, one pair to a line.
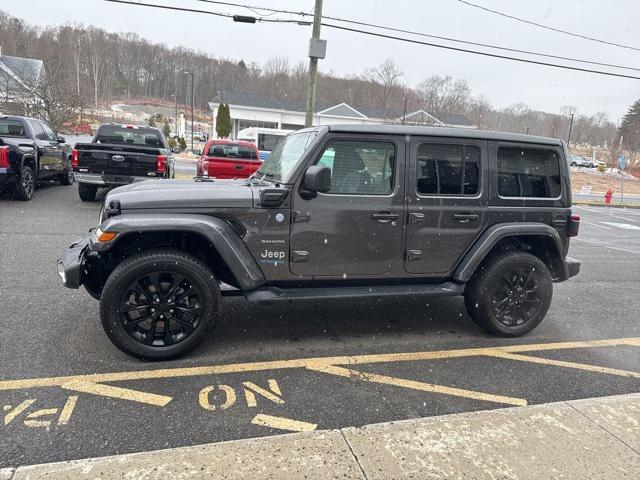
356,228
447,204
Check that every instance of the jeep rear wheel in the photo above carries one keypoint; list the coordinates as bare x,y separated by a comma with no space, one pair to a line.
510,294
87,192
159,305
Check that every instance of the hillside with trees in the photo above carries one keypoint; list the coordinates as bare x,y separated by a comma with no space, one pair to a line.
94,68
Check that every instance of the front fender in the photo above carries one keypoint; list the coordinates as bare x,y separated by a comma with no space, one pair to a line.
474,257
219,233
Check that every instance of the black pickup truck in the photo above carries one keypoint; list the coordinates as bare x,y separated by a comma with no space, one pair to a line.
30,152
119,155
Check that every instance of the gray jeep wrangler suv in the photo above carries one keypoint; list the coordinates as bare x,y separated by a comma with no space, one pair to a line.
337,211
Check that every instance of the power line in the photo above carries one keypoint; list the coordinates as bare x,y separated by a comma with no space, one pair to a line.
411,32
478,44
381,35
475,52
195,10
253,9
518,19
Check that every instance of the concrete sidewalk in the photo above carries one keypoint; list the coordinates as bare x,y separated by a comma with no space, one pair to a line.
592,438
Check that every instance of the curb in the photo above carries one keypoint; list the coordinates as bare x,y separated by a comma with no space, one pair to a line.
590,438
602,204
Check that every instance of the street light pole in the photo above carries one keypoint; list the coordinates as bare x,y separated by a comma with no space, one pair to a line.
317,50
192,97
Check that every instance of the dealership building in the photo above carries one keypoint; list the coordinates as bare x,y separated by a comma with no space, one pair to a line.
254,110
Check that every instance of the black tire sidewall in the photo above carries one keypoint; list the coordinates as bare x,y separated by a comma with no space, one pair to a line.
480,291
87,192
67,179
136,266
20,193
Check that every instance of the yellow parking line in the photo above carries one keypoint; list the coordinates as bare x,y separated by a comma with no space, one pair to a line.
118,392
282,423
301,363
414,385
561,363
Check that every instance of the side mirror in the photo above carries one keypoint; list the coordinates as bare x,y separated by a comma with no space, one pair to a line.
175,149
317,178
61,139
197,152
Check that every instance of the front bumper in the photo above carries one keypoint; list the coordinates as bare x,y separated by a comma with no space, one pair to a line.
570,268
96,179
71,265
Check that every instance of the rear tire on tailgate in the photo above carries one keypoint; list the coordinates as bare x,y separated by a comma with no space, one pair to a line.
87,192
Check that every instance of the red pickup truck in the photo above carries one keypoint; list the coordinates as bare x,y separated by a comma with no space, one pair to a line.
228,159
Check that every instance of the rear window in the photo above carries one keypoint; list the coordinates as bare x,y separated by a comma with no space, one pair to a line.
528,172
130,136
232,150
12,128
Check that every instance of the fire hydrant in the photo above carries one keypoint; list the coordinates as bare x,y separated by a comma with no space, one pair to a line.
607,196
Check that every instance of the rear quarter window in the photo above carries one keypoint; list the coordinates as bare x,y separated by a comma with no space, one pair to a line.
528,172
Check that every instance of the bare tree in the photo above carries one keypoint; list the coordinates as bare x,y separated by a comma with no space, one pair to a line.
443,94
387,75
95,45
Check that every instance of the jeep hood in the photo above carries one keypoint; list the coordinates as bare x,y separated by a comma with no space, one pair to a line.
182,194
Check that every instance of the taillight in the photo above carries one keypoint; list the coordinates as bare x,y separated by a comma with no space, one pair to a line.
161,163
75,158
573,226
4,157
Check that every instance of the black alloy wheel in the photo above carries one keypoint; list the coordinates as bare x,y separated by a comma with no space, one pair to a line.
159,304
510,293
26,185
515,299
160,309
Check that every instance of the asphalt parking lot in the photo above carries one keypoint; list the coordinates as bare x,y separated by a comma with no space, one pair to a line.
67,393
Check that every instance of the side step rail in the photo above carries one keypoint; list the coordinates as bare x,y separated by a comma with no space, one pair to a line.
271,294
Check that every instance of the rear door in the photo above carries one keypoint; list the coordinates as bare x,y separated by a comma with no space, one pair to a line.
447,204
55,150
356,228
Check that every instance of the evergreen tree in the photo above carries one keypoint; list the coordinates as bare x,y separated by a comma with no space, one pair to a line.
183,143
151,121
223,121
630,128
166,129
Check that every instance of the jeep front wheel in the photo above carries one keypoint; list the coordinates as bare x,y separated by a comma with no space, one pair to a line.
510,294
159,305
87,192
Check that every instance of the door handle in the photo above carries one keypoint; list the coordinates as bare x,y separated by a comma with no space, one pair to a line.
465,217
384,217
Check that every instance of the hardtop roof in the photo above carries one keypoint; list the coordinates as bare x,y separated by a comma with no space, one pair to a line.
444,132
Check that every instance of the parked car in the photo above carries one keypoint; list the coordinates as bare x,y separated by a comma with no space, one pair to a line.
29,152
338,211
119,155
228,159
577,161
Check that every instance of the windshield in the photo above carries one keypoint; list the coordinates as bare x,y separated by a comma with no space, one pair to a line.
286,155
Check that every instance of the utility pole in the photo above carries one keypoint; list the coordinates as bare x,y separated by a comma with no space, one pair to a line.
317,50
175,119
192,96
404,112
570,128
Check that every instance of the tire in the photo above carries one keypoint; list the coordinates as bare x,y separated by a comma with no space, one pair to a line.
150,283
67,178
26,185
87,192
510,294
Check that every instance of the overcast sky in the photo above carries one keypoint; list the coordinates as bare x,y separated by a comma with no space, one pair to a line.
502,82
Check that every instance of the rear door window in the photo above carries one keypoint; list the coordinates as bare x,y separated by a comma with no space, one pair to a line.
445,169
528,172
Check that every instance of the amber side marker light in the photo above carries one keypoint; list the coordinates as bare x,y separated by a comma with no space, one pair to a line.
104,237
